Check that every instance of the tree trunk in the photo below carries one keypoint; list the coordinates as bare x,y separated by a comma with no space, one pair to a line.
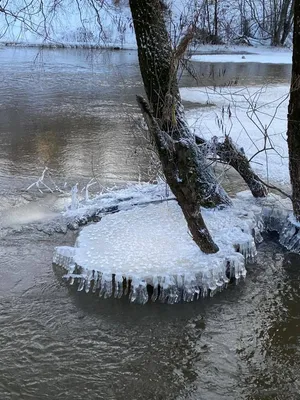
185,194
283,21
288,23
187,173
208,17
216,21
294,116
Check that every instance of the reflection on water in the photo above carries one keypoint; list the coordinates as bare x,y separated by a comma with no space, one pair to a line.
219,74
58,343
252,335
72,111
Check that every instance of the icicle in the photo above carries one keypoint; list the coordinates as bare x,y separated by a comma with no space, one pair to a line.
173,293
64,256
139,293
248,250
118,290
155,284
106,288
162,294
89,279
81,284
75,201
290,234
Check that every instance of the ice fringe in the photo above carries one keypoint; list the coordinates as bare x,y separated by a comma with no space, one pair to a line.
147,252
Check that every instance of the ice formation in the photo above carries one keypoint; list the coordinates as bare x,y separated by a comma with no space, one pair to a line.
151,245
81,212
146,251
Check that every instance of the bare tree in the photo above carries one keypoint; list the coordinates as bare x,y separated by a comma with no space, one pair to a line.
270,19
184,165
274,18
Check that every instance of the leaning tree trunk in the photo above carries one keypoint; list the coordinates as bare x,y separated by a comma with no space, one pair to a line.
184,165
294,116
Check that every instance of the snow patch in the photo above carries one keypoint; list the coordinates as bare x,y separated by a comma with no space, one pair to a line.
254,117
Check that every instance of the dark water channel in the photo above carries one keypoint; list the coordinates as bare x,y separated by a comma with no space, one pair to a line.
73,111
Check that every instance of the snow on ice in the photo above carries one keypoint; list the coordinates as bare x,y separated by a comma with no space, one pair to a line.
150,245
254,117
239,54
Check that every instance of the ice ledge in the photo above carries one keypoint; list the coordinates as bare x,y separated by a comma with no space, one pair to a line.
147,252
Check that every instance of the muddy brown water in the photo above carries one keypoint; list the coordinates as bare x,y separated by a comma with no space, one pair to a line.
72,111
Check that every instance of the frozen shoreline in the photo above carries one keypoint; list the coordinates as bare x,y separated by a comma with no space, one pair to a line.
68,45
202,53
243,54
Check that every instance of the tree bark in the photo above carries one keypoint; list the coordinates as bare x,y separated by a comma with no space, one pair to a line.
187,173
294,116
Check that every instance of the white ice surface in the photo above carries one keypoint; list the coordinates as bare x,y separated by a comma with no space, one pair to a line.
265,55
151,245
128,242
255,112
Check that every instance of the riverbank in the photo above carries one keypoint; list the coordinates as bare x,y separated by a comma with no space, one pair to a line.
224,53
67,45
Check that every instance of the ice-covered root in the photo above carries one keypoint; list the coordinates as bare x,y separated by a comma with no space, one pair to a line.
81,212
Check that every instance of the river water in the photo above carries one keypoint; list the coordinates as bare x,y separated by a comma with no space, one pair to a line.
75,112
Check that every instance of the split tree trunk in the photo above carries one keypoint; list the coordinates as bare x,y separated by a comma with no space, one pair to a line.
187,173
294,116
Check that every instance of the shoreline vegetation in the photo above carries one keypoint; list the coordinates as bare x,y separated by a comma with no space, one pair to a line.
201,49
64,46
